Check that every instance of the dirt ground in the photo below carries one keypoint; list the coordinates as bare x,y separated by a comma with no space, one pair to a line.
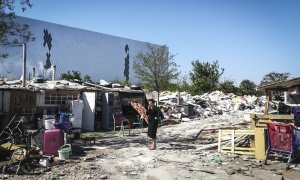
128,157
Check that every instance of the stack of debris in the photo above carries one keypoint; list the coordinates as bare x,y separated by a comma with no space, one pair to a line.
209,104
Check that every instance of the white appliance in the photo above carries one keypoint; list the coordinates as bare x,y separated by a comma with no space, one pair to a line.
76,108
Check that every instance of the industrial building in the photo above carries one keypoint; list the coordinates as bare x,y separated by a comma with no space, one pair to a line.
95,54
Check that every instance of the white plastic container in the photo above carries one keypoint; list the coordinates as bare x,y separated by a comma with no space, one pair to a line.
49,123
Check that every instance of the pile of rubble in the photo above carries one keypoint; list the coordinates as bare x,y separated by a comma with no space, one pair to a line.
209,104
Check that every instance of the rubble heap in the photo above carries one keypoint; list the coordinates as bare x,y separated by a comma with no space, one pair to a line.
210,104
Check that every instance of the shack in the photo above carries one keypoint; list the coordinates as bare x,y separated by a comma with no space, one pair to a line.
91,105
287,110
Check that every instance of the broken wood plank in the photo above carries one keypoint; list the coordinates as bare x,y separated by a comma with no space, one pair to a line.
196,137
209,146
201,170
183,144
274,116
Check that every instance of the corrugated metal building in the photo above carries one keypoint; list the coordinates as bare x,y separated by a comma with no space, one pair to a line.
98,55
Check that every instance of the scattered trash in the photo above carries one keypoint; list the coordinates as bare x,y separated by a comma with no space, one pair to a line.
216,158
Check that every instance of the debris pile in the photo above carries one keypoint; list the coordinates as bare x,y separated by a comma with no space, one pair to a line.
209,104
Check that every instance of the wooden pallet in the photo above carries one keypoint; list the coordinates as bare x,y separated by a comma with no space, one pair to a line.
237,136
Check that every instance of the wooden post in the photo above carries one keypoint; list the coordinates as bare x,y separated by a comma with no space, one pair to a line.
232,141
219,140
269,98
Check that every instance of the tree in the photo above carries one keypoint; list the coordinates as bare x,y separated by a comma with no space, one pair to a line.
185,84
273,77
156,67
247,87
69,76
228,86
205,76
11,32
87,78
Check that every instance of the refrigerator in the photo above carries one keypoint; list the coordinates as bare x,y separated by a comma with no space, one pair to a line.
76,107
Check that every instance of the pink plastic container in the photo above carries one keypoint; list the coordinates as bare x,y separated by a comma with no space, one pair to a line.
53,140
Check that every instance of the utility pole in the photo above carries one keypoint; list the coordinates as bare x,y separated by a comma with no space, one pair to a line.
24,65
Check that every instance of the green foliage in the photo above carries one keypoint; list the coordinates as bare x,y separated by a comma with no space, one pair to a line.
87,78
273,77
156,67
247,87
184,84
170,87
143,85
70,76
126,83
228,86
11,32
205,76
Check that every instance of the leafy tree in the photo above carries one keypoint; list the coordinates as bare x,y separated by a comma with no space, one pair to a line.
205,76
69,76
184,84
87,78
156,67
228,86
247,87
273,77
11,32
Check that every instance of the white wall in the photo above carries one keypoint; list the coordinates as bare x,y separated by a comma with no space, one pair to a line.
88,115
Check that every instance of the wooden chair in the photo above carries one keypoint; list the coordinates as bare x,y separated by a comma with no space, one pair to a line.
121,122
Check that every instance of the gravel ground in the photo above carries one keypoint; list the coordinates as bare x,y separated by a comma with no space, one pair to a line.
128,157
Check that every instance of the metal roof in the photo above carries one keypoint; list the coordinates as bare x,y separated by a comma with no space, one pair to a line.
61,85
281,84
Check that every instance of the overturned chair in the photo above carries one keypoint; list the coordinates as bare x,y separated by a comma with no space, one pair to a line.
121,122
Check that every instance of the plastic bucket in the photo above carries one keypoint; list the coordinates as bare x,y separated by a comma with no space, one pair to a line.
49,123
64,152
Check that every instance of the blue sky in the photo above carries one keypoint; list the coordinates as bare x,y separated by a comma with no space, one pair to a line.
248,38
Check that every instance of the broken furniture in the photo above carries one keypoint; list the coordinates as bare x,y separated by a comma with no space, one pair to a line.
121,122
260,121
13,131
282,142
26,158
236,142
259,124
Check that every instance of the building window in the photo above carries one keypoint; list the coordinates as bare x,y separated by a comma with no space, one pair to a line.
59,98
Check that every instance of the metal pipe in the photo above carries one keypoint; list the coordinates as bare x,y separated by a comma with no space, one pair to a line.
33,72
24,65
